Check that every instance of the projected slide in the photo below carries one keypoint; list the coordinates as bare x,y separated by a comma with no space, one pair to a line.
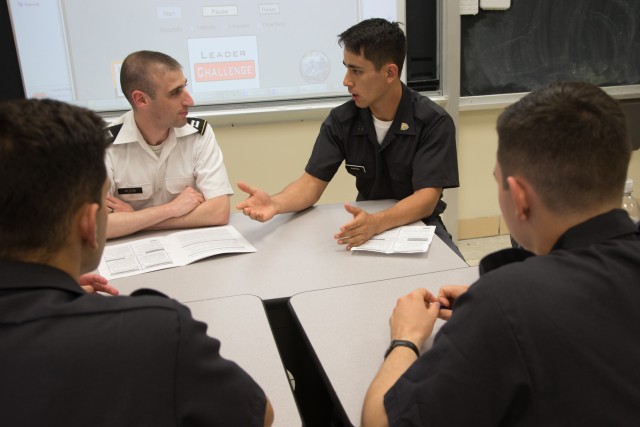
239,51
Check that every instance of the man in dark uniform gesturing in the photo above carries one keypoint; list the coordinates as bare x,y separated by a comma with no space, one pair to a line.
397,144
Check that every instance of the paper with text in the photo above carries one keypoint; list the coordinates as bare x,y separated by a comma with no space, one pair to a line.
406,239
174,250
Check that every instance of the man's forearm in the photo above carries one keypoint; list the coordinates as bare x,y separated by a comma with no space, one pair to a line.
300,194
413,208
374,413
209,213
124,223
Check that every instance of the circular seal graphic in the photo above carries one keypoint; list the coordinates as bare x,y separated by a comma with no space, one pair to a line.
314,67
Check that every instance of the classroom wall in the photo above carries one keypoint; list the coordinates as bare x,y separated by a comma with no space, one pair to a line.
274,154
478,210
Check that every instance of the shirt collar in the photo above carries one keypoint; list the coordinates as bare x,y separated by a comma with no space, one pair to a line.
185,130
611,225
129,132
20,276
403,122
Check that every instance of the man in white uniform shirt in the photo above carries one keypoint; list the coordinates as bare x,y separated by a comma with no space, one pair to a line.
165,169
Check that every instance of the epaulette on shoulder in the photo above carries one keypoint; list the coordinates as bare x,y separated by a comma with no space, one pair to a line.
112,131
198,123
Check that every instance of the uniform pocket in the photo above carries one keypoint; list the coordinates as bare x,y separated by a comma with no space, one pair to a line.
399,172
175,185
359,170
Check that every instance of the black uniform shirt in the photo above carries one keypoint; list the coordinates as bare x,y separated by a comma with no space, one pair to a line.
418,152
73,359
548,340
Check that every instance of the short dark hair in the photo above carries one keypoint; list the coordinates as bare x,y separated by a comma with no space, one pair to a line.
138,68
569,139
51,162
379,40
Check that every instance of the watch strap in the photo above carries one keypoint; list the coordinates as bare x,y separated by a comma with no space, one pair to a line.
402,343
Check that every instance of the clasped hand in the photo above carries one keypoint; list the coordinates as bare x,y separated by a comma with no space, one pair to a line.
415,314
186,201
114,204
92,283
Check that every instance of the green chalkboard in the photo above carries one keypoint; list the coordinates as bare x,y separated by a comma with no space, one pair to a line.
536,42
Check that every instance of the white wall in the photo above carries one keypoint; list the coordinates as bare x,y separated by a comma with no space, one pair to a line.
272,155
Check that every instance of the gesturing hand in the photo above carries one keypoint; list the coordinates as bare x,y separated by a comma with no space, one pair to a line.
359,230
258,206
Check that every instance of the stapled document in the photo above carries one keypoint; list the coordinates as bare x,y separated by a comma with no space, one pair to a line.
406,239
173,250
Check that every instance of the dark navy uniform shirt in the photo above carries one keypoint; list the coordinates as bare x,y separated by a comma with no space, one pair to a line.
68,358
549,340
419,150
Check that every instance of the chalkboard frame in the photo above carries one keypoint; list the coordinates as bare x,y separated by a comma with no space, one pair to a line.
494,43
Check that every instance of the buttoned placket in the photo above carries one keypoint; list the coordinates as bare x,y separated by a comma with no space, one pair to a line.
161,163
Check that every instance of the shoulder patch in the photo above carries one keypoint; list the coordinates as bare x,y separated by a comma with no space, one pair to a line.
112,131
198,123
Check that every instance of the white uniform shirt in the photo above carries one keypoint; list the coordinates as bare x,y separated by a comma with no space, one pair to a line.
142,179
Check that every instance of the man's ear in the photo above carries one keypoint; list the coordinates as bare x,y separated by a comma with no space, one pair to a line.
519,191
391,72
139,98
87,224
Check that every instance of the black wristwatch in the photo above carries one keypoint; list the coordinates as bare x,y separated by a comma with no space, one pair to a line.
402,343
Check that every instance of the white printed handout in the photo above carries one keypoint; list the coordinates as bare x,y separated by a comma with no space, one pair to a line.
174,250
406,239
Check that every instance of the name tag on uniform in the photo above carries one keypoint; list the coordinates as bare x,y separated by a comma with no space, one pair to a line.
356,168
130,190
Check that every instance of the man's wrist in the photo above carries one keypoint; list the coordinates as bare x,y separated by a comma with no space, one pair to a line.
402,343
277,207
377,220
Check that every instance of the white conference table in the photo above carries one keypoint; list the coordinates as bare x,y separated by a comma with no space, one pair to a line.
348,329
295,253
241,325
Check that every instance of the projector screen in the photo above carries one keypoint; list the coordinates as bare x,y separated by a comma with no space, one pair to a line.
243,51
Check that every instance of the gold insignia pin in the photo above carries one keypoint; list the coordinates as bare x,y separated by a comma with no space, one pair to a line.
404,126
